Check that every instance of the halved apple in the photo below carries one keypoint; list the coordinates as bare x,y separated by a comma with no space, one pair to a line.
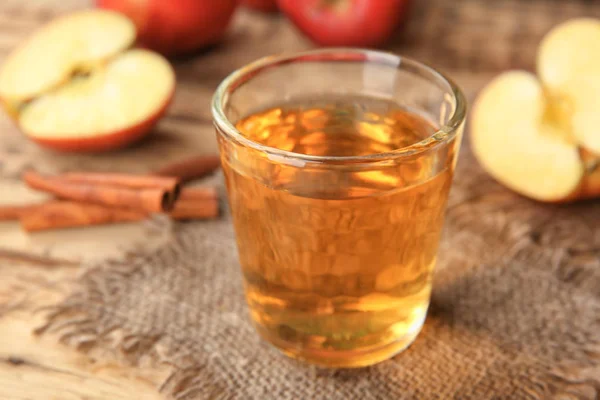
110,108
74,86
569,69
570,50
516,146
540,137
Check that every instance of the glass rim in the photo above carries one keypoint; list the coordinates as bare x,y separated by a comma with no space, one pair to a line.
238,77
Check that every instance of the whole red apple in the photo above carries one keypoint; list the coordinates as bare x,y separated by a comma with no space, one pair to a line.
359,23
261,5
176,26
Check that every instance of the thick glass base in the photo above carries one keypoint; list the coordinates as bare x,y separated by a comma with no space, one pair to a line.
355,358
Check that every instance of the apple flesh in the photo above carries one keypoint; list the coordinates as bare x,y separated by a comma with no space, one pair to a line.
569,69
75,87
360,23
539,136
79,41
174,27
112,107
512,142
567,52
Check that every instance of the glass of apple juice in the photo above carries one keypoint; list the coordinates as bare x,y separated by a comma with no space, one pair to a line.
338,164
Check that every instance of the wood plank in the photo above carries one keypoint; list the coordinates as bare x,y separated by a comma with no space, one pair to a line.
39,369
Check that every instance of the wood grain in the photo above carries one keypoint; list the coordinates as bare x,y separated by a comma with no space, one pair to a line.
40,368
31,369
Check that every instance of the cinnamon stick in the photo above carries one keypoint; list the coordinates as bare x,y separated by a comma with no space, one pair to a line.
59,214
192,168
70,214
196,203
126,180
13,213
149,199
198,193
170,184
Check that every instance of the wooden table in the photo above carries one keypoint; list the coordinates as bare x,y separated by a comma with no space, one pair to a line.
38,270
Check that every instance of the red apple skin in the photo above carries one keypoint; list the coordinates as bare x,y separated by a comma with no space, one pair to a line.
261,5
104,142
356,23
174,27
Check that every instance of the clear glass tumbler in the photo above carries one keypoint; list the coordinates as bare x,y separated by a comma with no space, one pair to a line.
338,164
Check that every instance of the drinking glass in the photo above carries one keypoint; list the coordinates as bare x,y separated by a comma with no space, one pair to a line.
337,244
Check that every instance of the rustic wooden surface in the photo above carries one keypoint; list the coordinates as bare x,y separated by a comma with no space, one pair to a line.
37,270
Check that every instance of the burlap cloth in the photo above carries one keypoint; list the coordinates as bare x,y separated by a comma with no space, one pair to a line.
516,304
515,311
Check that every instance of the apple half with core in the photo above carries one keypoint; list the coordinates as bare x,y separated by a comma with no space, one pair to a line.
540,135
75,86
